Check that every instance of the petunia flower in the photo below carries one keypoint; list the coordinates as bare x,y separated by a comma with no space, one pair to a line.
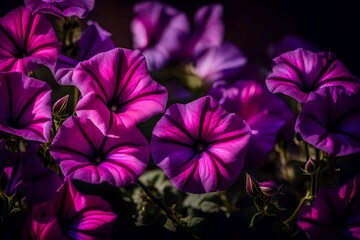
70,215
27,41
266,114
117,90
299,72
200,146
85,154
93,40
62,8
25,107
334,213
163,33
219,63
25,174
329,120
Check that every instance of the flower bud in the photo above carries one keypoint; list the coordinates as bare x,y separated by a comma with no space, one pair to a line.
252,186
269,188
311,166
59,106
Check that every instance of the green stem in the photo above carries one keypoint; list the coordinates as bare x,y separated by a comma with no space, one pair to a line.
307,197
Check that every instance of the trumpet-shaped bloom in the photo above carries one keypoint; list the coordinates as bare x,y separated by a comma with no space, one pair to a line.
85,154
25,173
219,63
265,113
299,72
200,146
25,107
70,215
330,120
62,8
117,90
93,40
334,214
164,34
27,41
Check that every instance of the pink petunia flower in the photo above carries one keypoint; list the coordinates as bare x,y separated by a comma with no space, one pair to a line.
200,146
25,107
62,8
27,41
70,215
299,72
85,154
118,90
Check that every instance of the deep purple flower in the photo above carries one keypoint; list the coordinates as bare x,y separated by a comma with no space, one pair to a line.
62,8
200,146
329,120
84,153
24,173
265,113
219,63
70,215
164,34
25,107
27,41
299,72
93,40
334,214
117,90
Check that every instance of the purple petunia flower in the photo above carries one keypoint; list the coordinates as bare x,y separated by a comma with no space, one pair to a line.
265,113
299,72
117,90
334,214
84,153
200,146
25,173
25,107
70,215
27,41
62,8
330,120
164,34
93,40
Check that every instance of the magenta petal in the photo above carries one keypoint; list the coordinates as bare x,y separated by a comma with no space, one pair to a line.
84,153
70,214
27,41
62,8
299,72
25,106
329,121
125,92
200,146
209,28
219,63
159,31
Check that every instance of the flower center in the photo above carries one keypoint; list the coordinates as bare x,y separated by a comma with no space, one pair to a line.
98,159
114,106
200,147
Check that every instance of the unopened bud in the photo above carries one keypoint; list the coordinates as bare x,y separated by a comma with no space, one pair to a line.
252,186
269,188
311,166
59,106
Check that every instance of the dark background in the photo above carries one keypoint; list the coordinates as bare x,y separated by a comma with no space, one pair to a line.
254,24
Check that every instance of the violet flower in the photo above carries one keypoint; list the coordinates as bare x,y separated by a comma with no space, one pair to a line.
329,120
93,40
163,33
62,8
85,154
27,41
25,173
265,113
299,72
25,107
70,215
117,90
200,146
334,213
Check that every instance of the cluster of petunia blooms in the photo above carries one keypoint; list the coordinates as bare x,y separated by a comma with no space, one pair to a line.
182,132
